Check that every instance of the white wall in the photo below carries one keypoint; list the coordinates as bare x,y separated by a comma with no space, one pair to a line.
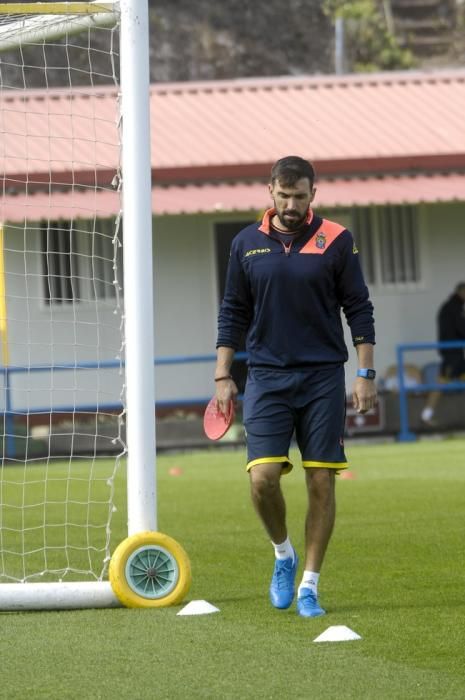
408,315
186,308
184,303
42,334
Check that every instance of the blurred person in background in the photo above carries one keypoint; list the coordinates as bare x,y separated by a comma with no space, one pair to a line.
450,326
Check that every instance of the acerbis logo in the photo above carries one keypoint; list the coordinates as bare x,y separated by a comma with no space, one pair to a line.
257,251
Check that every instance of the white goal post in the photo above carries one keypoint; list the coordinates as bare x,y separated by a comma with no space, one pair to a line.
77,251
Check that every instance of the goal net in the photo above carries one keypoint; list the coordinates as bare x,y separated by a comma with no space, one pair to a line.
62,507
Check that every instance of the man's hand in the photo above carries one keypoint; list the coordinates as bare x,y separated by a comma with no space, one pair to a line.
364,395
226,391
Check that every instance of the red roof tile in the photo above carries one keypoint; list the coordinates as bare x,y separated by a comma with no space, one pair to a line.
59,132
330,118
235,127
330,193
192,199
214,135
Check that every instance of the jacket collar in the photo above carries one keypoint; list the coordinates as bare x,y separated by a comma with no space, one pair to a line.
265,226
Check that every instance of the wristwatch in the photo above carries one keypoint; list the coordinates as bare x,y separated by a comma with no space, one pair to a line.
366,373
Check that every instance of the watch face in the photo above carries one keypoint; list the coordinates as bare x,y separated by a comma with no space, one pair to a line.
367,373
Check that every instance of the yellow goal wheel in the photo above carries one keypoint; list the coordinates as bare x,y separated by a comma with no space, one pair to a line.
150,570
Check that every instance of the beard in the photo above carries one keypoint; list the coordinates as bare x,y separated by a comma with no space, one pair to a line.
291,219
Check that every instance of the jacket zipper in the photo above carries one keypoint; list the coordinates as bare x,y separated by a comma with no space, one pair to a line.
287,248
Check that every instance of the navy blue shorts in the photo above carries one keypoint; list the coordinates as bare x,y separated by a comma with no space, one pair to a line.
310,402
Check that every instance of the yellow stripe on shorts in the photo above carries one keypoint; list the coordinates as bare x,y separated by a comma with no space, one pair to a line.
287,465
326,465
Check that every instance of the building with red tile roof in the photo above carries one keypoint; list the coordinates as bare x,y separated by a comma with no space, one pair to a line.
389,151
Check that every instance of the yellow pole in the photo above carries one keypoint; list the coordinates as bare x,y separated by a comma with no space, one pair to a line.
3,309
56,8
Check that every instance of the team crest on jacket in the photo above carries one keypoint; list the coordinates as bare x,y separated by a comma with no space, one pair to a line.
320,240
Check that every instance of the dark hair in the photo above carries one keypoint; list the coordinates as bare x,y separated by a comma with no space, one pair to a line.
290,169
460,287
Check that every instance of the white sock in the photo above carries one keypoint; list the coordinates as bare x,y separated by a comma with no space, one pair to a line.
309,580
427,413
283,550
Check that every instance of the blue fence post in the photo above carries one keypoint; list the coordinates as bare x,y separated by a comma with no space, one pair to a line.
10,451
405,435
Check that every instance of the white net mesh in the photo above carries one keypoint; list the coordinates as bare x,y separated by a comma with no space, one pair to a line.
60,295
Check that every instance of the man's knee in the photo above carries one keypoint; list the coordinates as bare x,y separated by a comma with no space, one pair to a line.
265,479
321,482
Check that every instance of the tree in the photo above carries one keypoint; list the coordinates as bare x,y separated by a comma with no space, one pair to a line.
370,46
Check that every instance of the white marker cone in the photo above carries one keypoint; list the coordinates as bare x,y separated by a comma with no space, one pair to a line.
337,633
198,607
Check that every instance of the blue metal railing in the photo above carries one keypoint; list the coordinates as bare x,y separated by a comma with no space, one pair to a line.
10,371
10,411
405,435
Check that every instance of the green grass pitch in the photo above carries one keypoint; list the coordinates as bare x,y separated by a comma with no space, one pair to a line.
394,573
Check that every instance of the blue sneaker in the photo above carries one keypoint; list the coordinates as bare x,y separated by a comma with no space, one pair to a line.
282,584
307,604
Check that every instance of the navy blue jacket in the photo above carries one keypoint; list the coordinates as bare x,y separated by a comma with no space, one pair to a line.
451,326
288,303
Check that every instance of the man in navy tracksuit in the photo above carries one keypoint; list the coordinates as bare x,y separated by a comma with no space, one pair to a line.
288,279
